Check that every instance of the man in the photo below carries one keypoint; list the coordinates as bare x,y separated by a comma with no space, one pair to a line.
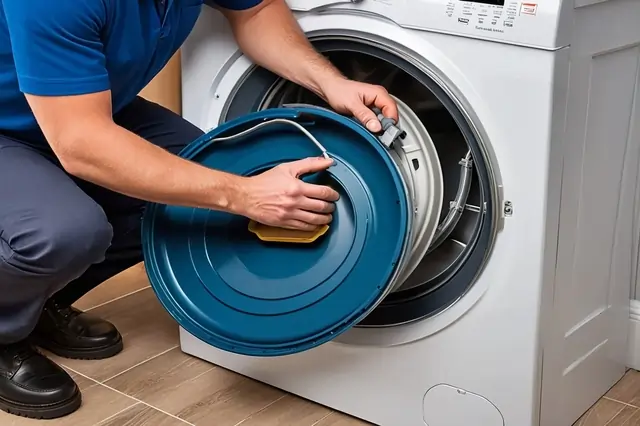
79,152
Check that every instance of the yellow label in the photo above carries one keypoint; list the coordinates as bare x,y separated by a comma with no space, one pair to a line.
282,235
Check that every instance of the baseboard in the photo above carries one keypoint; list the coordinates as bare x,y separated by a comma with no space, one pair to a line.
633,357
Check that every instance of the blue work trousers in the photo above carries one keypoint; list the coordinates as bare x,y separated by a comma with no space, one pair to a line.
61,236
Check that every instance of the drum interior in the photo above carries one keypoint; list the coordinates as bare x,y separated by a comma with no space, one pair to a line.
450,267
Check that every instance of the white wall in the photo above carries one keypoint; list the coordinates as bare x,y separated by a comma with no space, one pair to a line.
635,285
633,359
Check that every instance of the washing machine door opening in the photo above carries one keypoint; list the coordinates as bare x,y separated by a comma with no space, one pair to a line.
456,253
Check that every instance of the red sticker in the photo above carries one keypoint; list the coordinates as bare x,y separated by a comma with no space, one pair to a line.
529,8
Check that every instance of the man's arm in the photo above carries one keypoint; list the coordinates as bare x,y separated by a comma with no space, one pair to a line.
61,69
92,147
269,34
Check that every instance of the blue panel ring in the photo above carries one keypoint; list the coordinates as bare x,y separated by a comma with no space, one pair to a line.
235,292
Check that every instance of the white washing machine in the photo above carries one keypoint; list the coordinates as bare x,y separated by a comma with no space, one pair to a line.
516,312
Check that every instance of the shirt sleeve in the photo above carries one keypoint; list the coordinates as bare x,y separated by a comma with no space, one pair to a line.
56,44
235,4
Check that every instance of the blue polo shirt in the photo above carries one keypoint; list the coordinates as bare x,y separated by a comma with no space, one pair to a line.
73,47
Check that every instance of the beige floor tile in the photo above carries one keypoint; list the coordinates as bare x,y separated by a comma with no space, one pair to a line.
154,380
127,282
629,416
288,411
142,415
234,399
98,404
601,413
339,419
82,382
627,390
195,391
147,331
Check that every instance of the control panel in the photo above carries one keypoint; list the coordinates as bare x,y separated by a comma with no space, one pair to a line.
487,15
537,23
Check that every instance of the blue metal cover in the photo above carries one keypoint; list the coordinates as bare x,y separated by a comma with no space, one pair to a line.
240,294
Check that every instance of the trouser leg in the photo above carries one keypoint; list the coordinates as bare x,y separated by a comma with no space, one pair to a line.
50,233
62,236
61,233
163,128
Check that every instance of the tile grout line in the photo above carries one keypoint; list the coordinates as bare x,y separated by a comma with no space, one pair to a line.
330,413
116,299
148,405
135,399
622,402
616,415
137,365
213,367
260,410
115,414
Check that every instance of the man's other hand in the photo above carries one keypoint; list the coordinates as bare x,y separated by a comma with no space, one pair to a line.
279,198
356,98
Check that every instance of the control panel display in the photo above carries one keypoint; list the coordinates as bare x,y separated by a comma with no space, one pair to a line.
490,16
493,2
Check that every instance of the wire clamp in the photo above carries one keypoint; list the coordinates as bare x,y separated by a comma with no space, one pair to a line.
391,132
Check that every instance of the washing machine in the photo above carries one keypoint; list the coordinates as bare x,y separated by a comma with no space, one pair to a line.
520,153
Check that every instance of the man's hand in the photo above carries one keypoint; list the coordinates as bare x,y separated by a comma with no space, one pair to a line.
279,198
283,48
357,99
97,150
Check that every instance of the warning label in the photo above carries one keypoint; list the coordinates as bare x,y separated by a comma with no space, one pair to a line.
529,8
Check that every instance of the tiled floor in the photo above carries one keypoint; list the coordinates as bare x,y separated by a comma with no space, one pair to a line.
152,383
619,407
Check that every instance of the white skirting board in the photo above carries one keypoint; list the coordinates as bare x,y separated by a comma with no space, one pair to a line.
633,359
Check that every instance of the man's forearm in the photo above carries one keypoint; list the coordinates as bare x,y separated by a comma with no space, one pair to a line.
273,39
123,162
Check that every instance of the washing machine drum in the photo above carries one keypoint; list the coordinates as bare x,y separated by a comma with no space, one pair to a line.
230,288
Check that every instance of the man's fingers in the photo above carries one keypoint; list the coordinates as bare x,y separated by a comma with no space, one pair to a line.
311,218
308,165
387,105
375,96
366,117
319,192
316,206
299,225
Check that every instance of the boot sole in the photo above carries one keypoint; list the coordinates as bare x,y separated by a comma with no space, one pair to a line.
43,412
82,353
